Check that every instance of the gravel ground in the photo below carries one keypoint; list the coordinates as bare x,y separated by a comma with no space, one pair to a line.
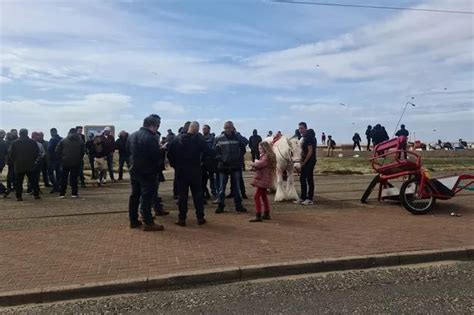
437,289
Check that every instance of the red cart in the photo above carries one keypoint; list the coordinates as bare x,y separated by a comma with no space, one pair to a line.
419,192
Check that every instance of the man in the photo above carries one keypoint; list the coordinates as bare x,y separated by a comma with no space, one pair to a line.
90,153
3,157
170,136
356,139
308,162
81,167
109,145
228,147
331,146
185,154
11,169
379,134
99,153
144,148
71,152
323,138
38,163
24,153
124,156
254,142
54,165
403,133
368,135
44,166
209,165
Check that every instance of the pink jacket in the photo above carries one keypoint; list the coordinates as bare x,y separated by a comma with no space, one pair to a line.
264,174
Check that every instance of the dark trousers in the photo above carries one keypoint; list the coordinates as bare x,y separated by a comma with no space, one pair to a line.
242,190
123,159
11,183
80,173
73,173
307,181
54,172
255,155
356,144
91,162
157,205
44,172
368,144
144,187
110,165
235,176
36,176
209,173
19,178
175,186
190,178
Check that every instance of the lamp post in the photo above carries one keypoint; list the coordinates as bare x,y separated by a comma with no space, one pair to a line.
403,113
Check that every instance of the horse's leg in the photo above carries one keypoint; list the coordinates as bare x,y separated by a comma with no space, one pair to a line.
291,193
279,195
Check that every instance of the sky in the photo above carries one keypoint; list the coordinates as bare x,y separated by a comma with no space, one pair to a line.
259,63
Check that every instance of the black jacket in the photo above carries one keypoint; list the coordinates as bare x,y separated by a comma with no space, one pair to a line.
254,141
24,153
70,151
121,146
186,151
145,154
3,153
229,151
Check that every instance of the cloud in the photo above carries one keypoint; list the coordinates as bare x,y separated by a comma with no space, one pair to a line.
4,80
168,107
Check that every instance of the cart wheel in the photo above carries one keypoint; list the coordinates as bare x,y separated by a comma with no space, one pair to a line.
412,201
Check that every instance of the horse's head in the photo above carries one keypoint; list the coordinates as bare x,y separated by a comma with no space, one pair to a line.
295,150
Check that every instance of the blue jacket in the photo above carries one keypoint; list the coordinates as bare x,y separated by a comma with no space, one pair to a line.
53,143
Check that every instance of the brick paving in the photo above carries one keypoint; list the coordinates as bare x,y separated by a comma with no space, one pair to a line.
47,252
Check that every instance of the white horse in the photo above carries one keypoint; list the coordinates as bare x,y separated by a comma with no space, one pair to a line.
288,156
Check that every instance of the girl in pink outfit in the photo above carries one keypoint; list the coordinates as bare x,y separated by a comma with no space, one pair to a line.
263,180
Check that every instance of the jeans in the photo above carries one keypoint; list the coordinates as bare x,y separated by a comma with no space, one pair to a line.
209,173
19,177
80,173
235,179
11,183
255,155
242,190
91,162
190,178
307,181
73,173
44,172
123,159
110,165
144,186
54,172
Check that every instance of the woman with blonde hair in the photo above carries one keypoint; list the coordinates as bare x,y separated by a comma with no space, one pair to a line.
263,180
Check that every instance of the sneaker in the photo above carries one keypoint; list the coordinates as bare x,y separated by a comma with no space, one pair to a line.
298,202
266,216
307,202
153,227
201,221
181,223
135,225
74,196
62,197
220,210
241,209
162,213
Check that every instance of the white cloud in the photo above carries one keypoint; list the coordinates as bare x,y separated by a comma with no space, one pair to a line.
168,107
4,80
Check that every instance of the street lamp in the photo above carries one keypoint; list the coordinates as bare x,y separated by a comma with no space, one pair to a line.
403,113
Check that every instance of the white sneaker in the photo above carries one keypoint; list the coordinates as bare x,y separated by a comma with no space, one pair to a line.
298,202
307,202
74,196
62,197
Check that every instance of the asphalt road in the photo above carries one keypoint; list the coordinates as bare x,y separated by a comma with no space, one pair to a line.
436,289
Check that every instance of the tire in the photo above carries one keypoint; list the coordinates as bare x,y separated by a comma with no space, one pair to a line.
411,202
369,189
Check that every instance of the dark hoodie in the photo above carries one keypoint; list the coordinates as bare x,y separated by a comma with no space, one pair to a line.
309,139
70,151
187,150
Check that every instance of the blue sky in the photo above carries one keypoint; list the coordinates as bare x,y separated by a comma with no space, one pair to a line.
262,64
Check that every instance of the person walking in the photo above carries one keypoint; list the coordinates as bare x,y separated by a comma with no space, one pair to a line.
54,164
185,154
145,159
71,152
323,138
254,142
308,163
24,153
109,146
263,180
356,139
209,165
124,156
368,136
228,148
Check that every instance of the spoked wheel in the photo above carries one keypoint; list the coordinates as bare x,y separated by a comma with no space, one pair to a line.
412,200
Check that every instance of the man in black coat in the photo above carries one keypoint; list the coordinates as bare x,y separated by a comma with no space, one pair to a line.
254,142
70,151
145,157
368,135
185,154
24,153
124,156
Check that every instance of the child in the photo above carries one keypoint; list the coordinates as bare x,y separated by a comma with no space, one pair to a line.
331,146
264,176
